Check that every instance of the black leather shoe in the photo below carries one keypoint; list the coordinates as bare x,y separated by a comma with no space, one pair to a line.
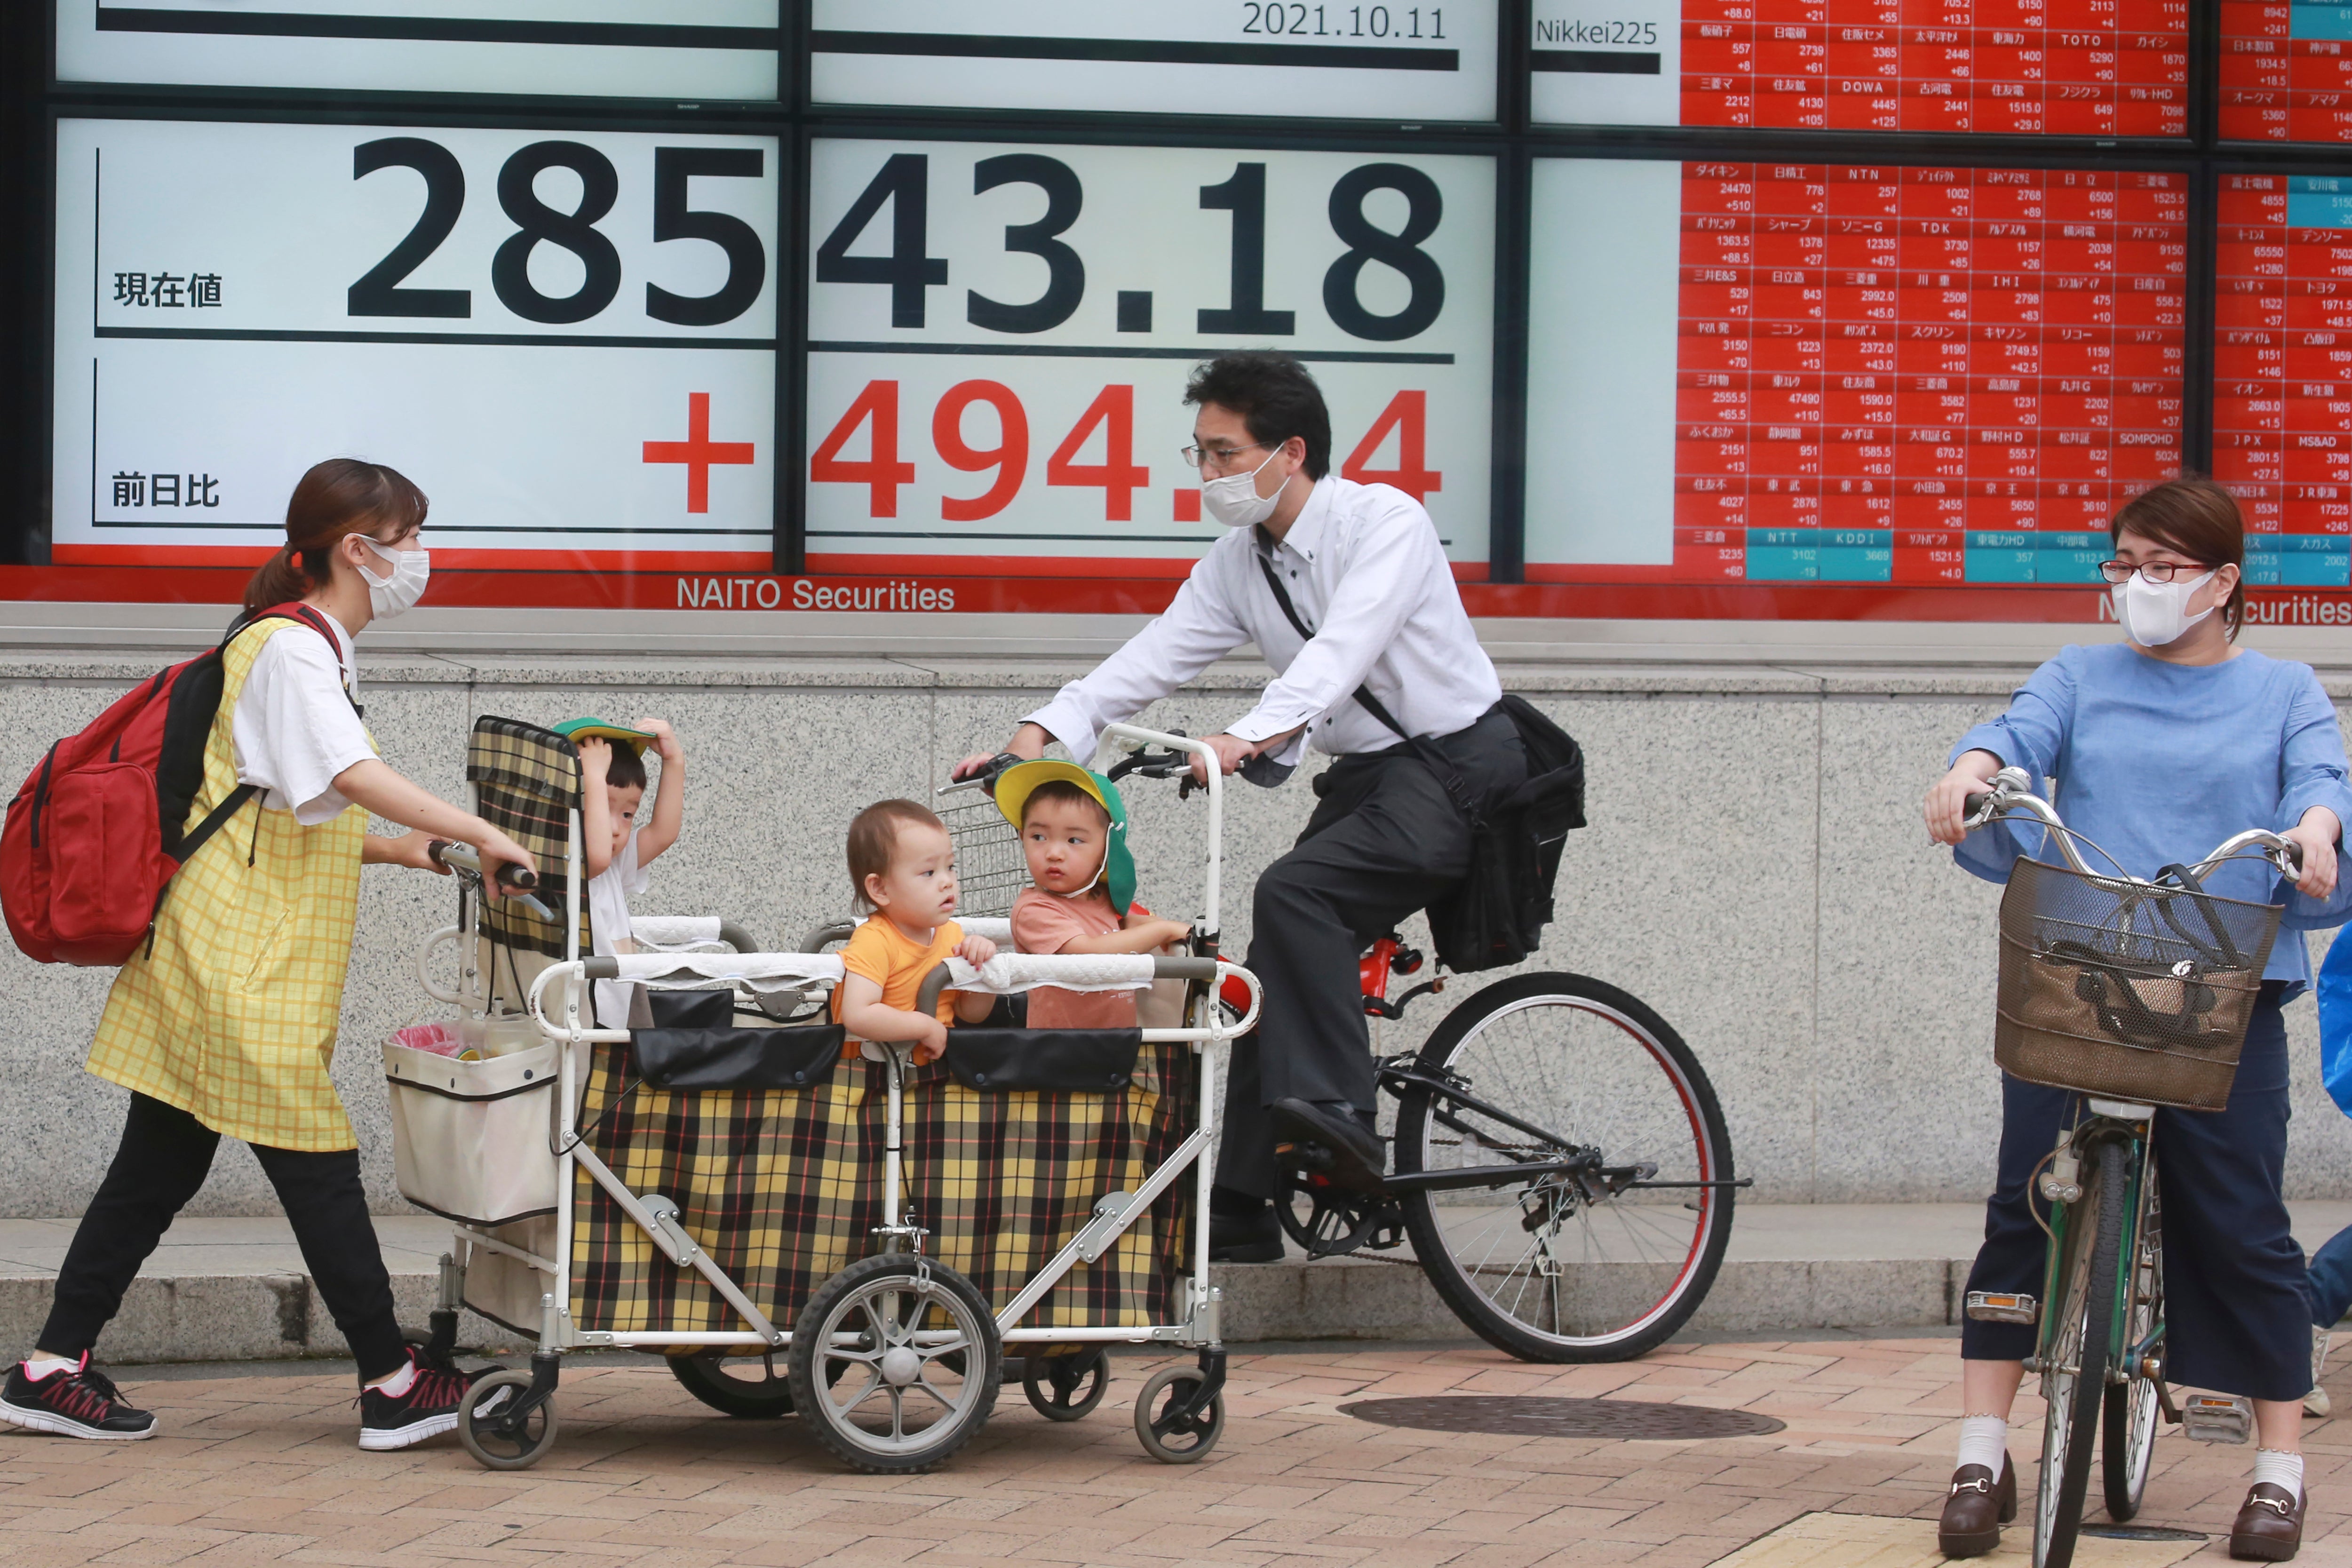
1351,1158
2269,1527
1245,1238
1975,1509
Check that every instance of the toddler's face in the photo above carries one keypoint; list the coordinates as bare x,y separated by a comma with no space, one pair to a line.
1064,842
622,805
919,889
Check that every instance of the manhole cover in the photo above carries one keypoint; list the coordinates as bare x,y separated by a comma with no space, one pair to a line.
1527,1416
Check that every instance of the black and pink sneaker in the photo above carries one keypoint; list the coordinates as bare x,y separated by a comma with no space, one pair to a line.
428,1409
83,1402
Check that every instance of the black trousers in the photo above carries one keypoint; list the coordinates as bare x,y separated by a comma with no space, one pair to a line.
165,1156
2237,1302
1384,841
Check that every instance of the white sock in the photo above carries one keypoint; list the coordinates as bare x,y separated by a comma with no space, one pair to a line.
2282,1470
397,1383
1984,1440
38,1367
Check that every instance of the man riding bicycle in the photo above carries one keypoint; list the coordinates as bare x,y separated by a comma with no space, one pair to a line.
1340,585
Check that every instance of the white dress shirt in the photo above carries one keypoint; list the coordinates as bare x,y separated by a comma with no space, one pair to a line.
294,726
1365,571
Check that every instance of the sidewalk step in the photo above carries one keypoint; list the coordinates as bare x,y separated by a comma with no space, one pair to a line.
234,1289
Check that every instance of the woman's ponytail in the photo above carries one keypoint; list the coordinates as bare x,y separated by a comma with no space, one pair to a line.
339,496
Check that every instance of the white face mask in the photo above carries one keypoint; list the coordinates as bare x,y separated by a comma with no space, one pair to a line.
410,570
2154,613
1233,500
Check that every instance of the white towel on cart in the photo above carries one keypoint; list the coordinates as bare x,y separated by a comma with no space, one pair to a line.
671,933
1011,971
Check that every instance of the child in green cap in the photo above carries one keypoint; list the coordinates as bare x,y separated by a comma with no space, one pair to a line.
1074,831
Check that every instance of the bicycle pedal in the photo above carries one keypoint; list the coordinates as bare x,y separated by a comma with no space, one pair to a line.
1998,1307
2217,1417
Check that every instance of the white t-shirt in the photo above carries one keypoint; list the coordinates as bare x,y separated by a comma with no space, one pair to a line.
294,725
608,924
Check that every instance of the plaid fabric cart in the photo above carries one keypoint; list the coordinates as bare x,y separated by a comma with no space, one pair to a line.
726,1187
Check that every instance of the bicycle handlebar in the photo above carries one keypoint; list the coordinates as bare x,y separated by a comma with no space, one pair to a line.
2011,795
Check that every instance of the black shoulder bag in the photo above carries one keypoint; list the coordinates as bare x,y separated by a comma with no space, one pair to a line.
1498,915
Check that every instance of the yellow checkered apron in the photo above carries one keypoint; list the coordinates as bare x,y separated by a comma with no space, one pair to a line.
231,1014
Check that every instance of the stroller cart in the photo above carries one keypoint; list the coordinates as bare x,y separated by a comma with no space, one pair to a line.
800,1223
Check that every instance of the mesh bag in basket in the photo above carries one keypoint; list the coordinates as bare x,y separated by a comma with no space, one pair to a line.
2120,989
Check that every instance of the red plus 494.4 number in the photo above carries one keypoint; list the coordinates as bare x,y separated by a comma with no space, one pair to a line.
875,413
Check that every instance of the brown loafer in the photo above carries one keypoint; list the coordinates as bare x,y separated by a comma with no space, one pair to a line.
1977,1507
2270,1525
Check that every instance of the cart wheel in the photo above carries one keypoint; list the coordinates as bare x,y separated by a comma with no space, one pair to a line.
895,1364
500,1441
1066,1387
1166,1433
753,1388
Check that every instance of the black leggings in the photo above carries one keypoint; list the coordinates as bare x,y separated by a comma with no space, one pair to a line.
163,1159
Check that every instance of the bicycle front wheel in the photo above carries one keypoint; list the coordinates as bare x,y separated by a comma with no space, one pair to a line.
1601,1261
2074,1377
2127,1443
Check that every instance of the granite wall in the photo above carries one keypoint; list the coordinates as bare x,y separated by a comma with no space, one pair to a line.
1755,869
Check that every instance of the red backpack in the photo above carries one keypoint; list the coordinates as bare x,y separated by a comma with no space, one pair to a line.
93,840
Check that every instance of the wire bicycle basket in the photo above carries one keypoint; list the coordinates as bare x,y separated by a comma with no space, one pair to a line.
2129,990
990,869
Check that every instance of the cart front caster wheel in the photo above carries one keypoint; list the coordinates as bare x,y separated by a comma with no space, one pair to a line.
895,1364
498,1438
1167,1434
1066,1387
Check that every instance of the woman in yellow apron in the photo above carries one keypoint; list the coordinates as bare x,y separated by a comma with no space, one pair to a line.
226,1024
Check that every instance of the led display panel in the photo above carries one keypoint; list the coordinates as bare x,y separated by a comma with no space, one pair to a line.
1349,61
723,49
1000,336
567,340
2287,72
2283,371
1767,373
2056,68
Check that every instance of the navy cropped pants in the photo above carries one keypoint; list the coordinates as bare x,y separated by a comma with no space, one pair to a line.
2236,1298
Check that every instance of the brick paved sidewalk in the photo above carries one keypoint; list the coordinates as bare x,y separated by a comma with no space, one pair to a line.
258,1469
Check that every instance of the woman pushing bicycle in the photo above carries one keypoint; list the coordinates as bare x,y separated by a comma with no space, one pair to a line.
2163,744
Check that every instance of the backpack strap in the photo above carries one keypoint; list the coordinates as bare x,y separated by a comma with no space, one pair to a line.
309,616
1457,788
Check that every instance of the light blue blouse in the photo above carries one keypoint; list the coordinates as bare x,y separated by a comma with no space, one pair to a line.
2159,762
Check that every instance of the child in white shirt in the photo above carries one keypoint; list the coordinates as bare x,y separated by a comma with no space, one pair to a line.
613,785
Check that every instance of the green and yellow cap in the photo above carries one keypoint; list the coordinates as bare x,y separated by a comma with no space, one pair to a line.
578,729
1015,787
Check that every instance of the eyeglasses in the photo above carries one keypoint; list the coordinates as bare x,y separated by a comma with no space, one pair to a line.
2154,571
1203,457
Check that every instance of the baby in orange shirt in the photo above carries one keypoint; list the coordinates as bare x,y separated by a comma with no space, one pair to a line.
1074,831
902,868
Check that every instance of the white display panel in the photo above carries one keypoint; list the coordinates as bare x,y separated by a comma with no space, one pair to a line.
1017,323
1616,65
1395,62
723,49
493,313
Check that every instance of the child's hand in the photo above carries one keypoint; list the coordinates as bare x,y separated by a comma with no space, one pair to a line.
976,950
596,762
1171,933
666,742
933,1043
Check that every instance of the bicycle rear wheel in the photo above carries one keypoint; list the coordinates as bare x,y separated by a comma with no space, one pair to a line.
1601,1262
2074,1382
2128,1441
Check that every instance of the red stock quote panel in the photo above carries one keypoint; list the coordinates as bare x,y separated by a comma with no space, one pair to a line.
2287,72
2056,68
2283,371
1888,374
